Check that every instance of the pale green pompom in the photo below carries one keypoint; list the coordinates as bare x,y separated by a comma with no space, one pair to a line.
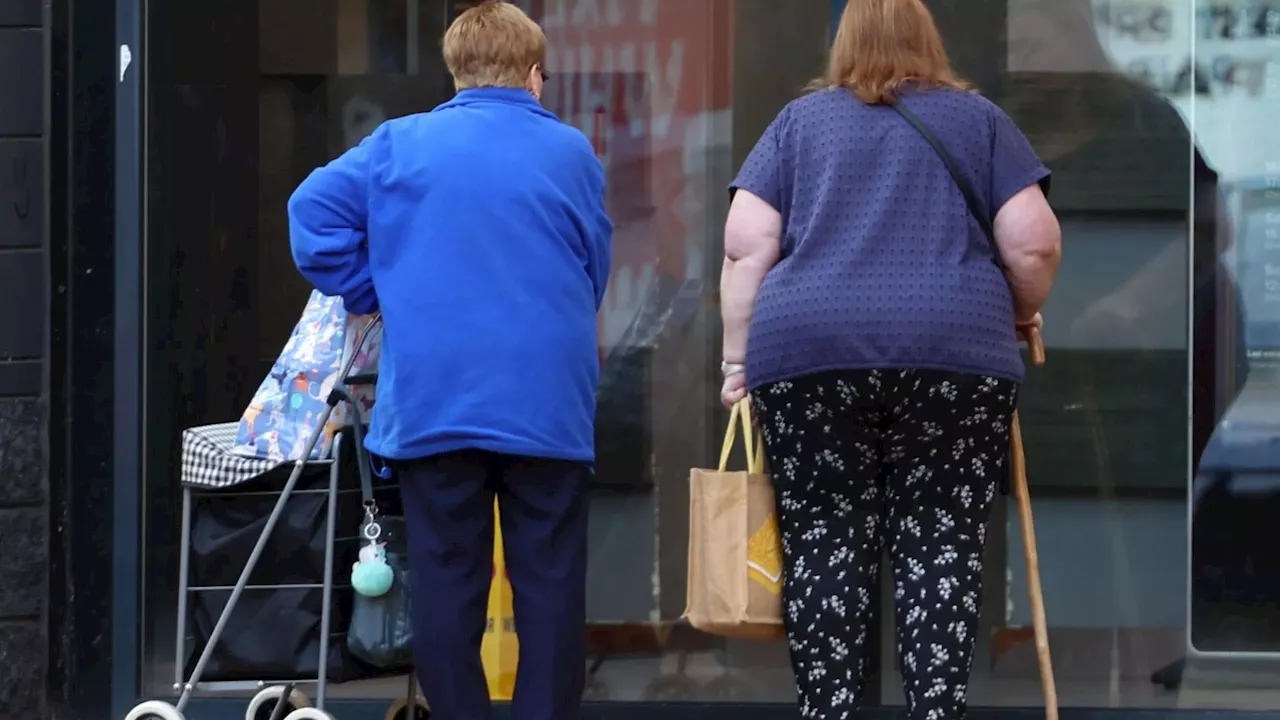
372,579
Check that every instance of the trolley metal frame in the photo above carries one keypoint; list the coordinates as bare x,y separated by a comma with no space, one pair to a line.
186,687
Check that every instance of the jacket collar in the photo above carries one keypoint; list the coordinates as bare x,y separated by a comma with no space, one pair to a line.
500,95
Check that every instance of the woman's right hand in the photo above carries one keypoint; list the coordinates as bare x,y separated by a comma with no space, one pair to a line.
1028,331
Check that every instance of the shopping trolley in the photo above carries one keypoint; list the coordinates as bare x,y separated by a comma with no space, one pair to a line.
208,462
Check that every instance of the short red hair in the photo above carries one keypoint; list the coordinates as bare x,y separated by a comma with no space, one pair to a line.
881,45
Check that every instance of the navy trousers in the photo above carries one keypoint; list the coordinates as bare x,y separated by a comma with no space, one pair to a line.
448,510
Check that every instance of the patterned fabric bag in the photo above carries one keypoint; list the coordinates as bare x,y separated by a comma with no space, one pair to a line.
288,403
735,551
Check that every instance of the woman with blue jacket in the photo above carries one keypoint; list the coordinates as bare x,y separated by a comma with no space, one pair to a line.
479,231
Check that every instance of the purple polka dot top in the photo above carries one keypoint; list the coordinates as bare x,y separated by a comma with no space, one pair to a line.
882,264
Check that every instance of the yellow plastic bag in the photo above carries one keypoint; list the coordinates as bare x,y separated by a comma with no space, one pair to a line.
500,648
735,550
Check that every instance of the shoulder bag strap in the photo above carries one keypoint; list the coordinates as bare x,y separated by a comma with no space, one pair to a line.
970,197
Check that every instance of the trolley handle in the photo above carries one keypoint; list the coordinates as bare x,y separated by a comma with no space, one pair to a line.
364,378
339,394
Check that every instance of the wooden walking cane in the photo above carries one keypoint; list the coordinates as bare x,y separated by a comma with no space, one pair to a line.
1019,462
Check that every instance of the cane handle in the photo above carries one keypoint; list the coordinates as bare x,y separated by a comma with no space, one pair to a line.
1034,343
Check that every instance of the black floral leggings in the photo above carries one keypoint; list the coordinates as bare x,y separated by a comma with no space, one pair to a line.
861,460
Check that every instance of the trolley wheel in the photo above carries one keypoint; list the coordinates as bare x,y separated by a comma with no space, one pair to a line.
264,703
671,688
402,709
154,710
308,713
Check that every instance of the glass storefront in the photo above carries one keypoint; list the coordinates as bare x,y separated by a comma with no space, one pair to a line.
1149,431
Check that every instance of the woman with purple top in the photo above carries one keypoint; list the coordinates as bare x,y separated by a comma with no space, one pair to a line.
873,322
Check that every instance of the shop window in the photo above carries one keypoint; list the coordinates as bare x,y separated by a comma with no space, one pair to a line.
1154,117
1150,114
245,99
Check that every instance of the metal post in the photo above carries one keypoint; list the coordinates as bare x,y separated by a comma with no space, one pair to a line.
184,582
326,603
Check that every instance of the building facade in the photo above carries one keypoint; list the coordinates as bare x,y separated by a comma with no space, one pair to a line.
24,508
147,148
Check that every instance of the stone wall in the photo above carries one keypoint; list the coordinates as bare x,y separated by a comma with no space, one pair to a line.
24,510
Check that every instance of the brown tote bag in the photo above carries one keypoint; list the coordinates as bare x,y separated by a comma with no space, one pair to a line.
735,551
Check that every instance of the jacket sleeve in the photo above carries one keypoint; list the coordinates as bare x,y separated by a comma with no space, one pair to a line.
600,231
328,225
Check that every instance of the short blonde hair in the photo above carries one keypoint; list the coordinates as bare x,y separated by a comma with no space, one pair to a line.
493,44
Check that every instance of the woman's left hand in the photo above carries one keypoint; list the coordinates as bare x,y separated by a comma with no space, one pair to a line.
734,389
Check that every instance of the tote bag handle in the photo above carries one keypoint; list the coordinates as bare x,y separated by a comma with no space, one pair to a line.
752,443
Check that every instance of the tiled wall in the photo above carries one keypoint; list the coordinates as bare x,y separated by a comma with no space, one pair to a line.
23,497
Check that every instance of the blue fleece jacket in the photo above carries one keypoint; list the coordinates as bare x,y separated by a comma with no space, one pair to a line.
479,231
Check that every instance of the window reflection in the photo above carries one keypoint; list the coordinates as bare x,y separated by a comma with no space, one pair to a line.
1148,112
650,83
1235,574
1156,117
1104,420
